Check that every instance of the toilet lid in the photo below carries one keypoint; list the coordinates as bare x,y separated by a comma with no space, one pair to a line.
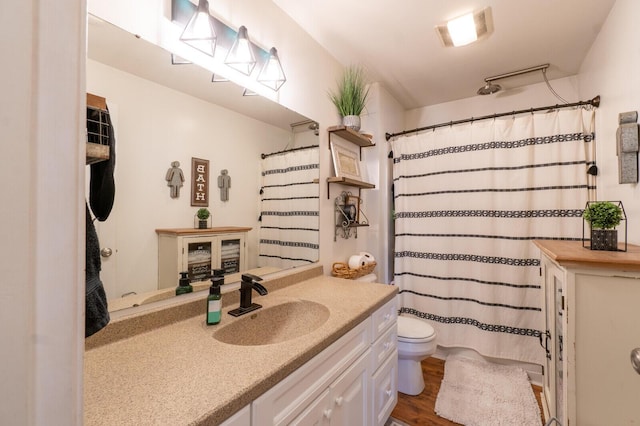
413,328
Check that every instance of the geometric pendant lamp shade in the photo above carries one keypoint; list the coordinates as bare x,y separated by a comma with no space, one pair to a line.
272,74
240,56
199,32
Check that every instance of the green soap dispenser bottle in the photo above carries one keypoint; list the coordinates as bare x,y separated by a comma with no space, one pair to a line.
214,300
184,284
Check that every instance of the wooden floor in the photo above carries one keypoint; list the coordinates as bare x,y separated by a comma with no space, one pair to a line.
419,410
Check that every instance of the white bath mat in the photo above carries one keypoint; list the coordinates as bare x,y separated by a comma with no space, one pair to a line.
479,393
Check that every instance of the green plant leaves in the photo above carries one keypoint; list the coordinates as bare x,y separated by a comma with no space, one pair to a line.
352,93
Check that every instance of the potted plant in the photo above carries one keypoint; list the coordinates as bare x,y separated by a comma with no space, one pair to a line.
203,214
351,97
603,217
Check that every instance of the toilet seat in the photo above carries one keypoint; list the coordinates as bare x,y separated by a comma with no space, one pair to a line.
413,330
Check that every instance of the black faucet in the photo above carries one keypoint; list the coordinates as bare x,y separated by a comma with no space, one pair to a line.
249,282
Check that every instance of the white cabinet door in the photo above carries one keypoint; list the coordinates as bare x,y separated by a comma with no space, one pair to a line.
607,389
315,414
385,390
199,257
350,394
553,382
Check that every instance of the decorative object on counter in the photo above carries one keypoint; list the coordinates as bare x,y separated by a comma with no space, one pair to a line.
603,217
199,182
351,97
184,284
214,300
348,216
203,216
627,147
175,179
342,270
224,183
346,163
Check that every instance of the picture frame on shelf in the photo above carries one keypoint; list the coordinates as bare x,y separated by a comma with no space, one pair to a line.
346,163
350,212
353,200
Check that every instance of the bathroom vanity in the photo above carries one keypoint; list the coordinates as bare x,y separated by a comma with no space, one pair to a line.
165,366
591,315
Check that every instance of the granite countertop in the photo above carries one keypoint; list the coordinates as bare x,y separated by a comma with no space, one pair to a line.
179,374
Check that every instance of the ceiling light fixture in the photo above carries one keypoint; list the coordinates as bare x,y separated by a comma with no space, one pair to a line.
272,74
179,60
217,79
241,56
466,29
234,46
199,31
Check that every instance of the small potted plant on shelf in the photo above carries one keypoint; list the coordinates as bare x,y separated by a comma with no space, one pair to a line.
351,97
203,214
603,217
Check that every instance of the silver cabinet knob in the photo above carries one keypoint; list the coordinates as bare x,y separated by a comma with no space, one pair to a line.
106,252
635,359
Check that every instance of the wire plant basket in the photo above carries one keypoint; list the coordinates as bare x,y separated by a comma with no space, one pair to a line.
604,239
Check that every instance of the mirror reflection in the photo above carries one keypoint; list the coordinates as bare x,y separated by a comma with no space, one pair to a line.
166,118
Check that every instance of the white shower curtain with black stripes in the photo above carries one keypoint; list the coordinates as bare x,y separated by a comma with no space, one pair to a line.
289,208
469,200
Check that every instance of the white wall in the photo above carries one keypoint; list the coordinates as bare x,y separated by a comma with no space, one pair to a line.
41,216
535,95
383,113
611,70
155,126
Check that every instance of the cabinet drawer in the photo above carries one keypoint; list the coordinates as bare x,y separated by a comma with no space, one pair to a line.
384,317
287,399
383,347
385,390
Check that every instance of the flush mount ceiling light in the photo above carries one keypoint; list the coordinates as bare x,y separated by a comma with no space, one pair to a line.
272,74
241,56
466,29
199,32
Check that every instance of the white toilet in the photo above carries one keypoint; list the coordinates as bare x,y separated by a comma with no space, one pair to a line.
416,341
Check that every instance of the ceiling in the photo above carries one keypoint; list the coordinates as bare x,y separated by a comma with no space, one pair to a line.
398,46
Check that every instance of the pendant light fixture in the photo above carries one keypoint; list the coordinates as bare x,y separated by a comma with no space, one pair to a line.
199,32
272,74
241,56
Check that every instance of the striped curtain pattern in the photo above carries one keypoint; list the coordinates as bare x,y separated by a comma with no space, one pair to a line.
289,208
469,200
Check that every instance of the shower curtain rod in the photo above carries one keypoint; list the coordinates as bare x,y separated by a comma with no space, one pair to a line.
263,156
595,102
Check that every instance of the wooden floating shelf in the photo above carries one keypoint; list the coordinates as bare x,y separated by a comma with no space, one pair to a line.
351,182
351,135
96,153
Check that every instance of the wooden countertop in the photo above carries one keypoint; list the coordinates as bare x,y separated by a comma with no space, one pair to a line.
193,231
572,254
179,374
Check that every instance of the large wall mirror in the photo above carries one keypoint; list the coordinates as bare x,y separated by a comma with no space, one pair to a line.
165,112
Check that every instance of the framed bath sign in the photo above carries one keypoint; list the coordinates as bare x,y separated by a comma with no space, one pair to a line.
199,182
